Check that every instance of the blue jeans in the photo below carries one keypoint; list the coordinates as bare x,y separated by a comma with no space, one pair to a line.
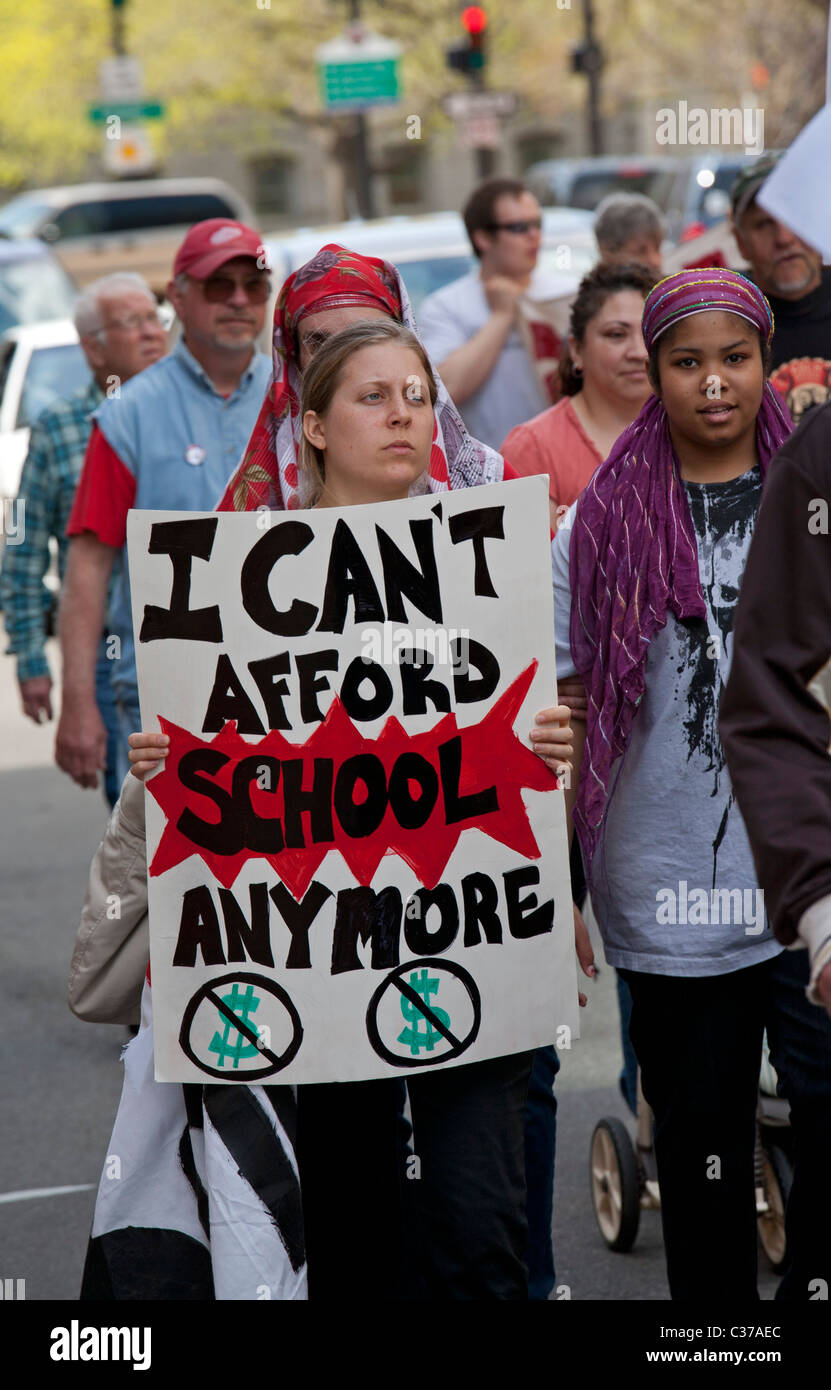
629,1075
129,720
105,700
540,1149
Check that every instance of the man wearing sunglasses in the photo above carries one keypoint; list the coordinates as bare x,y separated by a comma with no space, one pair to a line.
168,439
471,327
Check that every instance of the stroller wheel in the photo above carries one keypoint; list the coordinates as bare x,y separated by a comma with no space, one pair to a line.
777,1176
615,1183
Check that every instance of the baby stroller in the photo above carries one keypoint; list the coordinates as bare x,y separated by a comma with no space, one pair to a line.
624,1180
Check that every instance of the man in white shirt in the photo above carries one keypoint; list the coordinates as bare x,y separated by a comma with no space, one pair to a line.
471,327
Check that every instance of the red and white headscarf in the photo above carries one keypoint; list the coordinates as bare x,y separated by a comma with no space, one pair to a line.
335,277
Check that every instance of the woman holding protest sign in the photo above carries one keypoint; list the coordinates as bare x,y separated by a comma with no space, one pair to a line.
649,567
351,1247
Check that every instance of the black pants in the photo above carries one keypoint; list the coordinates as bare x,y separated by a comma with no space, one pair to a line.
452,1225
698,1043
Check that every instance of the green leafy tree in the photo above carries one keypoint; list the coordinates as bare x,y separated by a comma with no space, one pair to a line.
229,71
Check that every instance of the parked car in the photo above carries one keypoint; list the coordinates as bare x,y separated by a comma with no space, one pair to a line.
432,249
700,195
38,364
693,191
583,183
33,286
98,228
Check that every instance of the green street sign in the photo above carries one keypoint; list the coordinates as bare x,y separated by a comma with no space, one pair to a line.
351,86
127,111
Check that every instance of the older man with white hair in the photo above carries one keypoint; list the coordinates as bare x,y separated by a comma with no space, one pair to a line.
118,324
171,441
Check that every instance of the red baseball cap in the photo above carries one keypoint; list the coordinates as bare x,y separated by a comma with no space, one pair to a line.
209,244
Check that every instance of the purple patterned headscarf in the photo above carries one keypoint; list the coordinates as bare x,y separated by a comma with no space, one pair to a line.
633,553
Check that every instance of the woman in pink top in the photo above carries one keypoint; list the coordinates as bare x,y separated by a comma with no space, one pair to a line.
604,383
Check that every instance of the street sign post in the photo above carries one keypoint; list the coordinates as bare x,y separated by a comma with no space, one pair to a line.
479,115
120,78
127,111
358,70
130,152
464,106
481,132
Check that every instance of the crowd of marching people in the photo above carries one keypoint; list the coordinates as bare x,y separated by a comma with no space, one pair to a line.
692,633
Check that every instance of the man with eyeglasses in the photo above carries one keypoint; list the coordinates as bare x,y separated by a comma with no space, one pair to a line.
120,331
471,328
170,440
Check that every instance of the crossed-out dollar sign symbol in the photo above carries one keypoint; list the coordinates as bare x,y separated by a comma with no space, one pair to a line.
242,1004
422,1034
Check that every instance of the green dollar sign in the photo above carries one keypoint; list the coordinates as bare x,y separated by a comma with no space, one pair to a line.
243,1005
421,1034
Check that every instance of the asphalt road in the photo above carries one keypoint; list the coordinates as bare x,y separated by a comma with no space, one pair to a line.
61,1078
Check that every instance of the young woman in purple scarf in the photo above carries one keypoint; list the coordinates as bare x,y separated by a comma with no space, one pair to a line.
647,569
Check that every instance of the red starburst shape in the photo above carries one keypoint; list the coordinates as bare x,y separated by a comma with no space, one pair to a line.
492,757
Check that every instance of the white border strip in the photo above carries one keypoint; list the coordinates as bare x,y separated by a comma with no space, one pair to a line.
28,1193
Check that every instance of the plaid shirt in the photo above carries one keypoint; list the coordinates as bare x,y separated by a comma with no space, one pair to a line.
50,476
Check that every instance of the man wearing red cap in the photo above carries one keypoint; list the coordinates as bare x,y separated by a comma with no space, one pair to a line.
167,439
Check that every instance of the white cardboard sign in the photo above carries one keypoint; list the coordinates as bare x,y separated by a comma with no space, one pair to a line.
356,865
798,191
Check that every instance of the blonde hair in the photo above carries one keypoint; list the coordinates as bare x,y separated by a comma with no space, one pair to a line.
322,377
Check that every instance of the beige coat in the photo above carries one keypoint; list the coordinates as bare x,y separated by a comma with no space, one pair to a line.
112,948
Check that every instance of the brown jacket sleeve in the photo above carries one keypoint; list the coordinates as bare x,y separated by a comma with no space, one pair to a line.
775,732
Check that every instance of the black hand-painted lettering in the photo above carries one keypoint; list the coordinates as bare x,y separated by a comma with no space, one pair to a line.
362,914
298,917
417,687
466,652
361,818
401,576
357,706
247,940
316,801
348,576
226,837
480,898
272,689
458,807
198,929
182,541
285,538
420,940
525,918
260,834
411,813
229,700
476,526
308,665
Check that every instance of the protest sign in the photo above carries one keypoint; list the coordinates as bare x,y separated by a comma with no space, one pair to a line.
794,194
356,864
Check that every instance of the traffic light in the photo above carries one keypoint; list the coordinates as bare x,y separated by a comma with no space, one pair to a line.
587,58
469,57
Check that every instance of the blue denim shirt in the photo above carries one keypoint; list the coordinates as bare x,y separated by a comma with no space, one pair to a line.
181,440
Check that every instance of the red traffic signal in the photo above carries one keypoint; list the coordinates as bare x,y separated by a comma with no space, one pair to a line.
474,19
469,56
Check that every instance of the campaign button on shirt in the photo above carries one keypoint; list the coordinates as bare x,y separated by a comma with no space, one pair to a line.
194,454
